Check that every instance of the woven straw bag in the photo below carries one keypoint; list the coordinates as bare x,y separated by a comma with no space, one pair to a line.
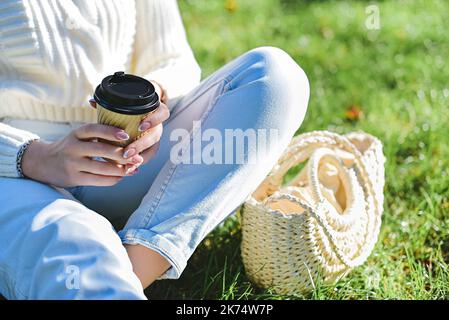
324,222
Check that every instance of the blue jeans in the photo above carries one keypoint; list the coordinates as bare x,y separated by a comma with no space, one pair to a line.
63,243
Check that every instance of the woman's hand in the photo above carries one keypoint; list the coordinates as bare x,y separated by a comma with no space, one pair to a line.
68,163
148,144
160,90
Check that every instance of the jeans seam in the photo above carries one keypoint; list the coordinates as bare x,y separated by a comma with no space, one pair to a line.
147,218
134,237
225,79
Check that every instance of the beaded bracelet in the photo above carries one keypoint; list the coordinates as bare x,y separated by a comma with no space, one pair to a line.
22,150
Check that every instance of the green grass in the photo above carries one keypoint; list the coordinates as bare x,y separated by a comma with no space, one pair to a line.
398,77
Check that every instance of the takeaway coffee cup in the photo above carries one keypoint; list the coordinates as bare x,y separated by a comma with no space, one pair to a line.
124,100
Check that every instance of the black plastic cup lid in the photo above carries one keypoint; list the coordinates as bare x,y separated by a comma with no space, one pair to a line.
126,94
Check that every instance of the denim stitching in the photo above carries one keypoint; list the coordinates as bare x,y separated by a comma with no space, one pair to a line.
132,239
193,99
150,213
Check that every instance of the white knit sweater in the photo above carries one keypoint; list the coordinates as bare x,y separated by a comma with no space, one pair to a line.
53,53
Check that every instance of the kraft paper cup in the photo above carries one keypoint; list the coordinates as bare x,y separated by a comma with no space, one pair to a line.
129,123
123,101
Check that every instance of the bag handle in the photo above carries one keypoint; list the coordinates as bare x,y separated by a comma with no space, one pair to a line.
305,146
314,212
312,171
300,149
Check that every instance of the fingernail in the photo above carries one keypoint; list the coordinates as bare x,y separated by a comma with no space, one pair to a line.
137,159
129,153
144,126
92,103
122,135
132,170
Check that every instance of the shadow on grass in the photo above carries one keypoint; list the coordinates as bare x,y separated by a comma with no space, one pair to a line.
215,270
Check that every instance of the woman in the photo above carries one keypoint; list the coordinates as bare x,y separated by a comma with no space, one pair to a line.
72,227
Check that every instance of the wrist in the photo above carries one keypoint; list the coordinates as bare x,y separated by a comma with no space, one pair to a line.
31,158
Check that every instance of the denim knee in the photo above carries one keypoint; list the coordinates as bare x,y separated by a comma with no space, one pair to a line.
284,81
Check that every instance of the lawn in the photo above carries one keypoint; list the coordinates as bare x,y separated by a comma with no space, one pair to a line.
396,81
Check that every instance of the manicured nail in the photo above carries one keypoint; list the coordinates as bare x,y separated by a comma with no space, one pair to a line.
129,153
92,103
135,171
122,135
137,159
131,170
144,126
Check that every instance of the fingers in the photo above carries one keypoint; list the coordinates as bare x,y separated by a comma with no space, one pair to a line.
93,103
151,137
94,130
131,169
161,91
147,155
147,145
157,88
90,179
164,97
155,118
98,173
101,168
108,169
104,150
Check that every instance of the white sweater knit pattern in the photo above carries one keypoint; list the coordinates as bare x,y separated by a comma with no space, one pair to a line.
53,53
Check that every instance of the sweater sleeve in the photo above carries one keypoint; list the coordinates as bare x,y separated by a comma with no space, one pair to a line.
161,51
11,140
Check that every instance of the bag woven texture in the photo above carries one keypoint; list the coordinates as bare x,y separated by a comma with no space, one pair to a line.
324,222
